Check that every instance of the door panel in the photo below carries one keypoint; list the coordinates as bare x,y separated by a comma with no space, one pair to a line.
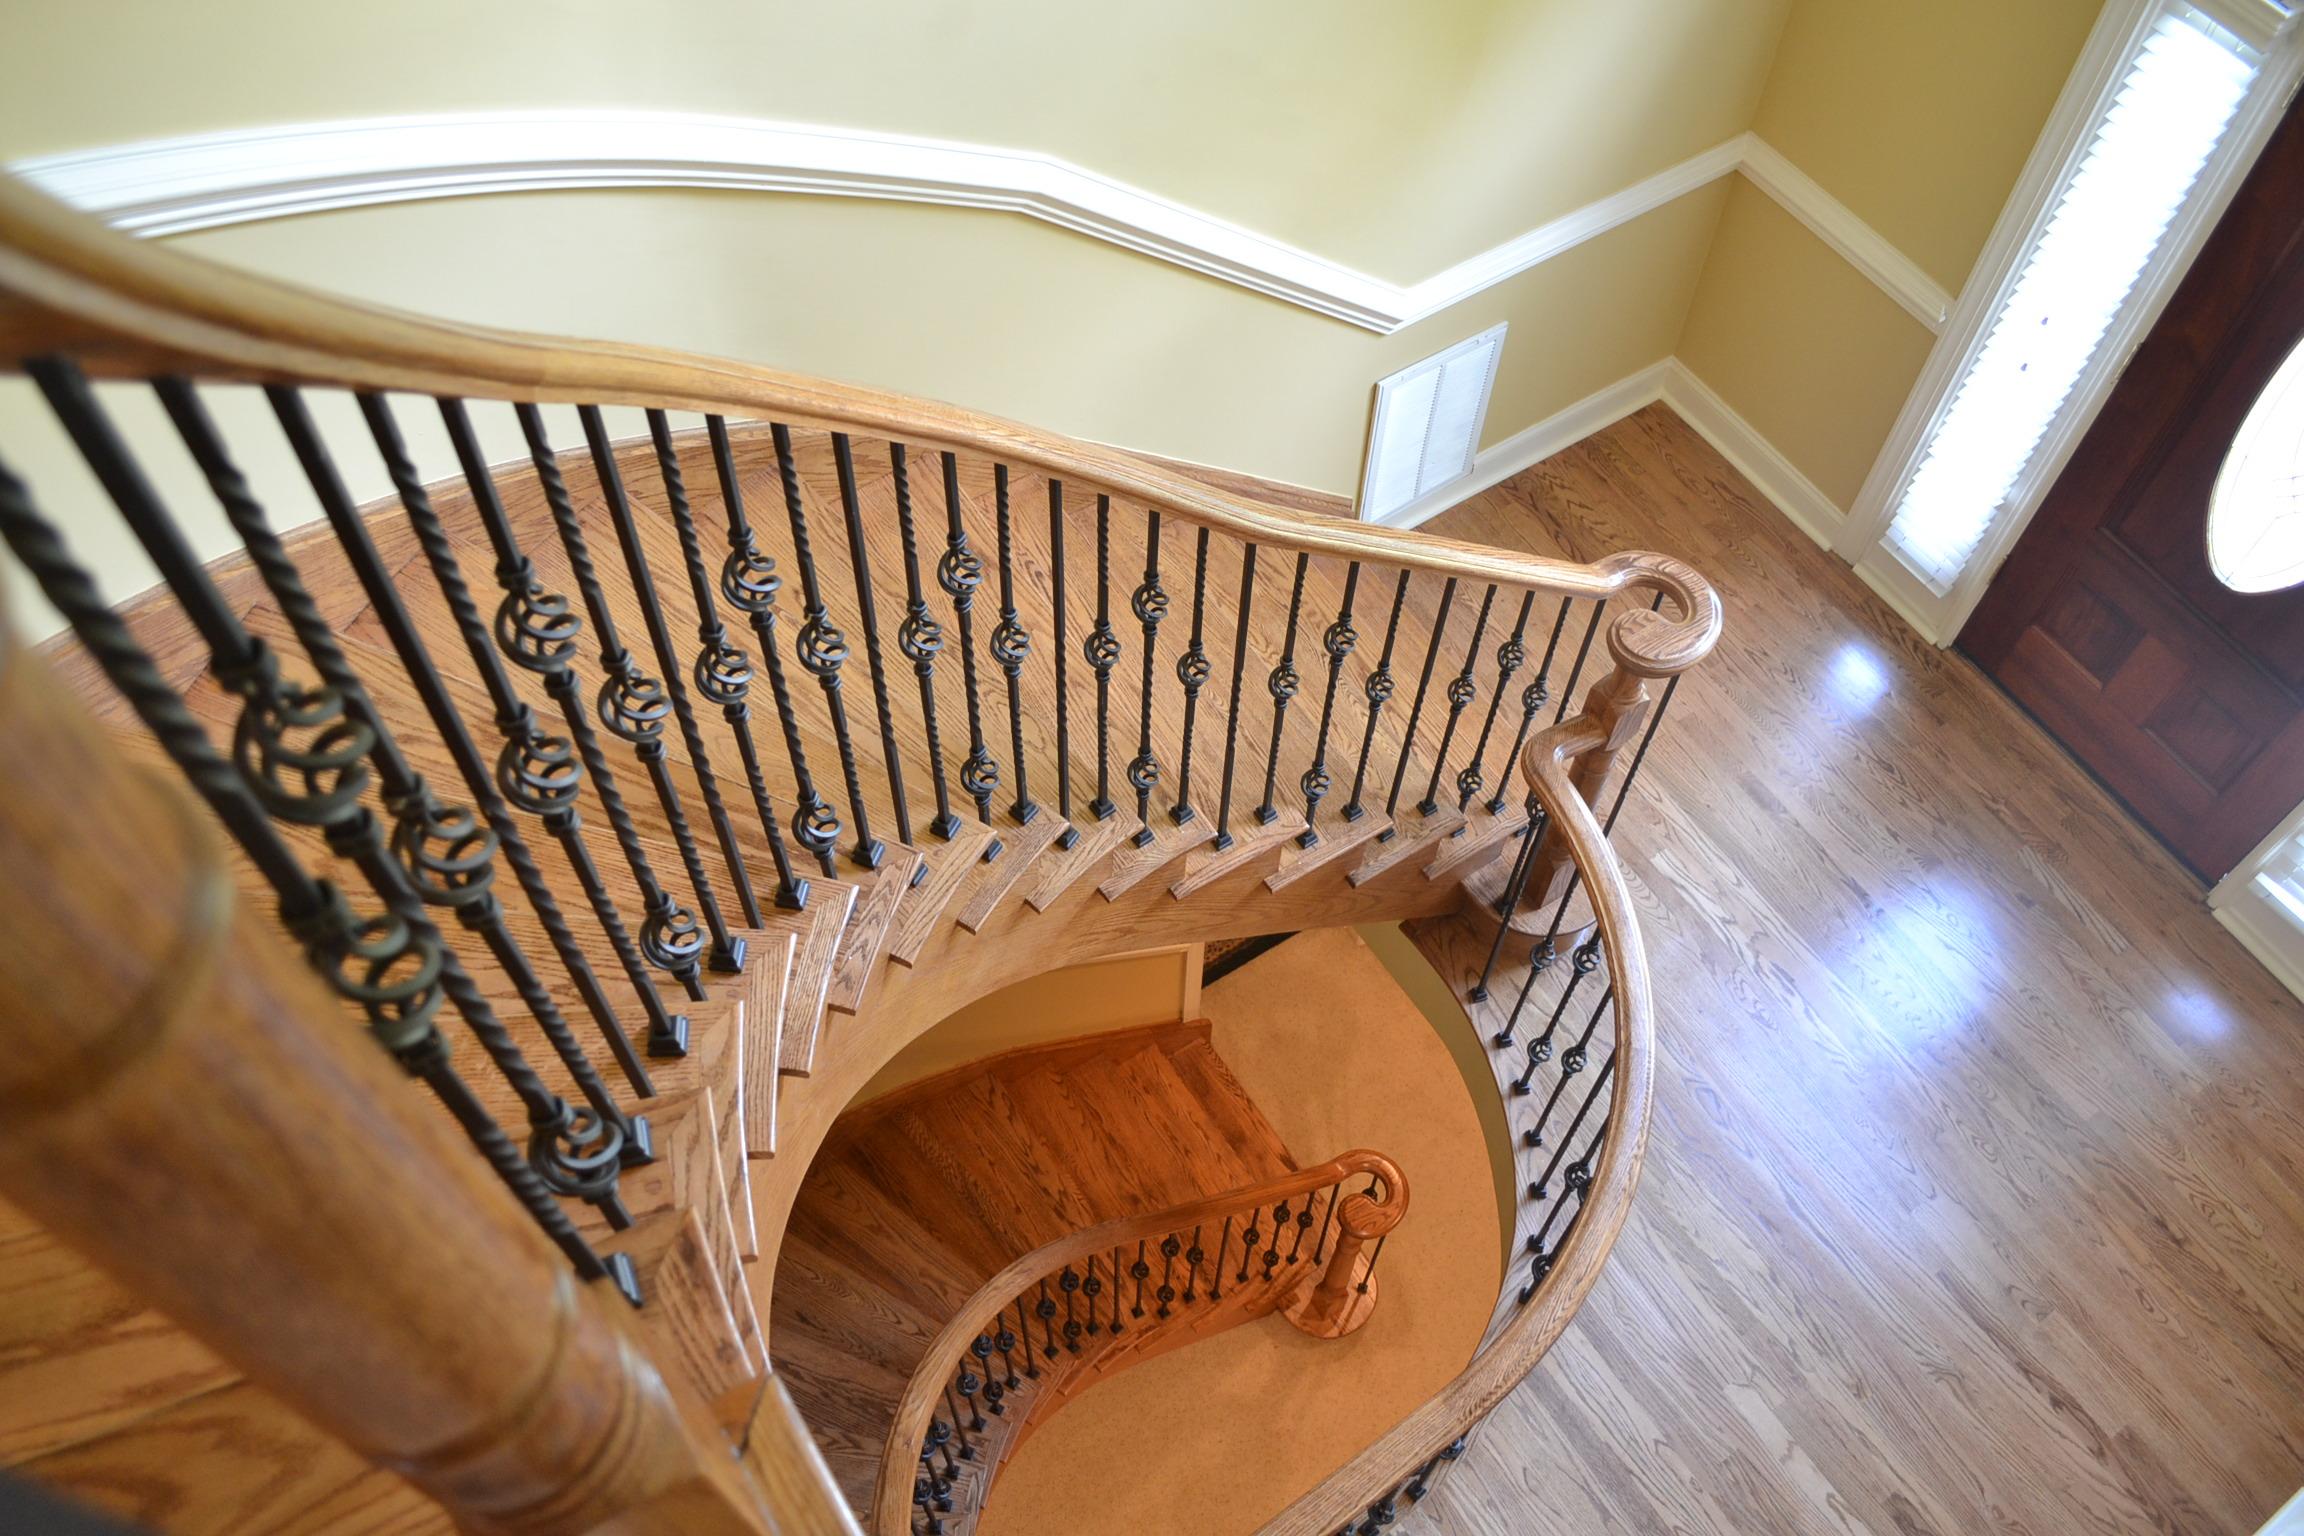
2185,697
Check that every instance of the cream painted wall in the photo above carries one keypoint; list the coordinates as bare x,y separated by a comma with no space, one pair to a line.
1800,343
1400,138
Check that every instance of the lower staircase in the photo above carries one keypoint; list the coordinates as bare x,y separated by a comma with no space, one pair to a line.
899,1223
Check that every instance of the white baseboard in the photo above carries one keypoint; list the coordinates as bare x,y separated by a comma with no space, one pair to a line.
1532,445
1757,459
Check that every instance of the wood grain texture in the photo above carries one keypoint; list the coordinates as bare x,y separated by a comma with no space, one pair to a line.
1971,1202
924,910
865,937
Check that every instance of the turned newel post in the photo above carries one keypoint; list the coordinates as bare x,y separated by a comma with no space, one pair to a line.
1344,1296
1646,645
182,1100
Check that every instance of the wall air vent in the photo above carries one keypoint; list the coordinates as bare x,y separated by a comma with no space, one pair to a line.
1427,426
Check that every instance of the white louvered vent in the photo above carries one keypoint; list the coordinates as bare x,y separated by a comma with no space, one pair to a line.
1428,418
2179,93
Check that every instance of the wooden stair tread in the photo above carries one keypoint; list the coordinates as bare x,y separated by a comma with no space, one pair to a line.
79,1356
1413,834
1338,838
921,916
845,1307
879,896
816,933
992,884
1050,1099
1201,1160
906,1180
1230,1109
848,1215
1131,865
1062,868
1023,1193
686,1312
1483,835
1249,845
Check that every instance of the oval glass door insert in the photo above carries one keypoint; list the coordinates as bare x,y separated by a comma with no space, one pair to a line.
2256,511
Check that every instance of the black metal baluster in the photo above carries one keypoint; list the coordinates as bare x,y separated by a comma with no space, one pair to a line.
1011,643
1004,1339
1045,1310
1216,1273
1511,656
1069,1284
1416,708
919,638
1462,690
1194,1257
1282,685
822,648
1102,651
1272,1253
1071,834
1303,1225
543,771
749,581
391,969
1150,605
538,631
1377,690
1515,885
1192,671
1250,1235
1327,1220
1247,601
1140,1271
1583,963
1117,1274
1091,1286
1571,1062
539,773
1170,1246
632,705
1532,699
980,1349
667,657
868,613
1576,672
1541,1187
960,572
1375,1255
970,1385
723,673
1338,641
1024,1336
1541,1257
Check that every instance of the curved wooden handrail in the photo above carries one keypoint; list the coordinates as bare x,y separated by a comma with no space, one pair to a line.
125,307
1520,1344
1368,1218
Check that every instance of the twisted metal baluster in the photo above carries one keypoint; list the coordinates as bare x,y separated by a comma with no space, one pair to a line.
1232,709
919,638
1532,699
1337,641
1416,708
1192,670
1150,605
1508,902
444,858
1102,652
960,572
1462,690
537,772
1582,963
1511,656
1282,685
1377,690
1571,1062
380,964
549,768
822,648
1071,834
667,657
1011,644
1541,1187
859,557
540,633
631,704
723,673
749,581
1576,672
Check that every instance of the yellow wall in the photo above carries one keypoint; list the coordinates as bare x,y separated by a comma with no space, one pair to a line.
1153,986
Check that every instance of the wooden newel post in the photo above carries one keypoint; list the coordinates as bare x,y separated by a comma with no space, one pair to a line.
1645,645
1344,1296
182,1100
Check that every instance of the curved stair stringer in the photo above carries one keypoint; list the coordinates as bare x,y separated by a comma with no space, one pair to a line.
1065,1367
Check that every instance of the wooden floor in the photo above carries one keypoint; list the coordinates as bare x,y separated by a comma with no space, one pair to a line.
1975,1199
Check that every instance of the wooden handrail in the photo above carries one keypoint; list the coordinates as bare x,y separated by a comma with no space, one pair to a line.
124,307
892,1498
182,1101
1515,1348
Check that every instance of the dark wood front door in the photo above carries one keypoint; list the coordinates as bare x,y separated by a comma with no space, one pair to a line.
2183,695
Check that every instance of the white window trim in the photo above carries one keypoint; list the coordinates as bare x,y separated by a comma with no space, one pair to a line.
2269,925
2087,95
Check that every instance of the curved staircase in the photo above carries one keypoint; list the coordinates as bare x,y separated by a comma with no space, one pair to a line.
898,1225
643,777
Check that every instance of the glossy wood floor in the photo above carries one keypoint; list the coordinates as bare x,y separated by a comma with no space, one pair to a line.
1975,1200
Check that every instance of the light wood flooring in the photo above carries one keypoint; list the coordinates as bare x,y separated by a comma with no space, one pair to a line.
1975,1198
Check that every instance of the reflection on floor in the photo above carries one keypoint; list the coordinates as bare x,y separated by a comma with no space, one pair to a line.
1975,1196
1221,1435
